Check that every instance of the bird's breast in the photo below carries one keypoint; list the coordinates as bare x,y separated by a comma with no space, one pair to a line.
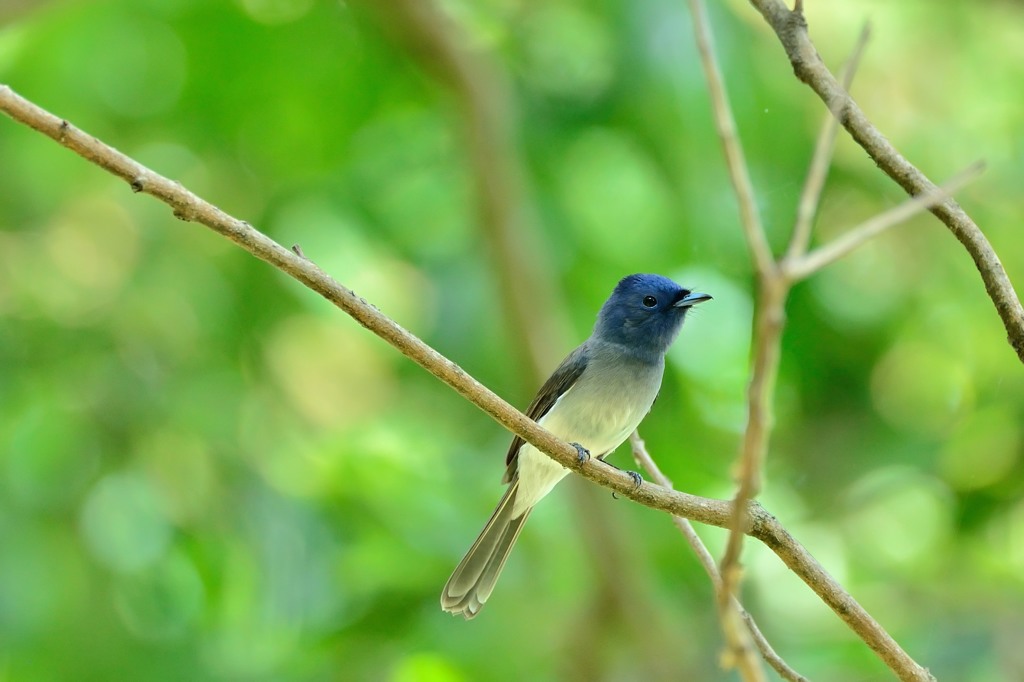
599,411
604,406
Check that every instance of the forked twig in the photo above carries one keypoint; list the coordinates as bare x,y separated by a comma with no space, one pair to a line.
647,463
791,29
807,206
774,282
856,236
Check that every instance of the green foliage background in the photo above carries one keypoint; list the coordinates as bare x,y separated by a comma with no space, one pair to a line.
206,472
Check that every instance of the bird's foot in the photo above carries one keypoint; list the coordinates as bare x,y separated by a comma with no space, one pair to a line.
638,480
582,454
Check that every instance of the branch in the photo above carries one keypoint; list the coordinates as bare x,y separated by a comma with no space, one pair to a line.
769,318
737,639
190,207
791,29
807,207
841,246
772,291
646,462
757,242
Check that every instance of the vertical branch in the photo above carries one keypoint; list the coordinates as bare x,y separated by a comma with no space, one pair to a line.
771,295
646,462
739,174
807,207
775,280
772,292
769,320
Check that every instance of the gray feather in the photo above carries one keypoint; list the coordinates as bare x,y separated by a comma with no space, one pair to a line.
474,578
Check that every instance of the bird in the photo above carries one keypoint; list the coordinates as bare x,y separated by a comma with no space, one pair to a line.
595,398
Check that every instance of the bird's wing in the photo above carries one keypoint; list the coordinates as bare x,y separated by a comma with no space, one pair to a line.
560,381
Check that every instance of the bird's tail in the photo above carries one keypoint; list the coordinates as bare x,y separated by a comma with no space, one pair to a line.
474,578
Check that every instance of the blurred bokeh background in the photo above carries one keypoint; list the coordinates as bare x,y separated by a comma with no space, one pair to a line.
207,472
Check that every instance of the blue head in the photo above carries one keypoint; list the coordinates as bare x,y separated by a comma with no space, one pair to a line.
645,313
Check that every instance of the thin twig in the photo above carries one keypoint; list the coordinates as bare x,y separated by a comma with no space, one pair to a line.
189,206
647,463
767,339
856,236
791,29
737,638
807,207
773,288
739,174
768,323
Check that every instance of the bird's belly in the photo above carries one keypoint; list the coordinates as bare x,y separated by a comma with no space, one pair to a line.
600,428
537,475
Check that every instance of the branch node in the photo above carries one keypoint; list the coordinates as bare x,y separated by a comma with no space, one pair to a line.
138,183
185,209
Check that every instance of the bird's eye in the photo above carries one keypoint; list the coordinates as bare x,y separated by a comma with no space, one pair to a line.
650,301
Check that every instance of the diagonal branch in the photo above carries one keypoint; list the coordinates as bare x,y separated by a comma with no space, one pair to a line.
791,29
188,206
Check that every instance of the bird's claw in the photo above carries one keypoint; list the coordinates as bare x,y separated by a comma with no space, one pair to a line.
582,454
638,480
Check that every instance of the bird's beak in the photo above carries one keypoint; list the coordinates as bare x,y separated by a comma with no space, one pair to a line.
693,298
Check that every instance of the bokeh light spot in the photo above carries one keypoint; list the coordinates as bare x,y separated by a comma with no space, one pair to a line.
918,388
275,12
898,516
141,71
715,358
332,374
162,601
567,51
425,667
49,456
607,184
123,524
42,578
983,449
